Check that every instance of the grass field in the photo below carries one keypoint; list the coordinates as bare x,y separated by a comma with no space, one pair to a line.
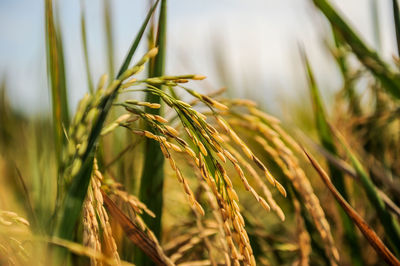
149,171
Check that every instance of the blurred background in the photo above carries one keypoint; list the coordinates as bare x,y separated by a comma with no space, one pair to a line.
250,47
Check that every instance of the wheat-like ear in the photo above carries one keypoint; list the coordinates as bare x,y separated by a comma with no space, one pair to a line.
97,233
210,152
278,145
290,166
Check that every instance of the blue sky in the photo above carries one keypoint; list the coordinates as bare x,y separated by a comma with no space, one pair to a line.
256,38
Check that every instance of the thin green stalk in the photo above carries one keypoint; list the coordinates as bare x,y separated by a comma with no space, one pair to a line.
58,89
152,177
85,49
152,180
109,37
56,75
326,139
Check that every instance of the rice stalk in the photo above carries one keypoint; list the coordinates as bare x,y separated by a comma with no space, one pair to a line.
95,220
327,141
208,151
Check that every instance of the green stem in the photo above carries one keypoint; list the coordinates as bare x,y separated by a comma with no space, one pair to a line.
152,181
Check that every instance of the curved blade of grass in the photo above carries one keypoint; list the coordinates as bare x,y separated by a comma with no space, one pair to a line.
68,214
134,233
396,18
390,225
85,50
136,42
327,142
365,229
389,79
56,76
109,37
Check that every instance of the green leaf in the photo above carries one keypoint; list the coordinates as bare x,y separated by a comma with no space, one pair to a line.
390,80
152,180
56,76
152,177
137,40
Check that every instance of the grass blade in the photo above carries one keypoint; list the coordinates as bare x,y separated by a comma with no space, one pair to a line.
365,229
389,79
109,37
57,82
85,49
136,42
152,180
326,139
396,18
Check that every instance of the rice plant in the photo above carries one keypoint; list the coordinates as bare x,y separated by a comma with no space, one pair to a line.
149,171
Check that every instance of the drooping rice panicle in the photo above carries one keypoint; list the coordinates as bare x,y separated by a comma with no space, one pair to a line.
95,220
267,193
290,167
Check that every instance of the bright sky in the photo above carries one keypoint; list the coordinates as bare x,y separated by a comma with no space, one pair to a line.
256,39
